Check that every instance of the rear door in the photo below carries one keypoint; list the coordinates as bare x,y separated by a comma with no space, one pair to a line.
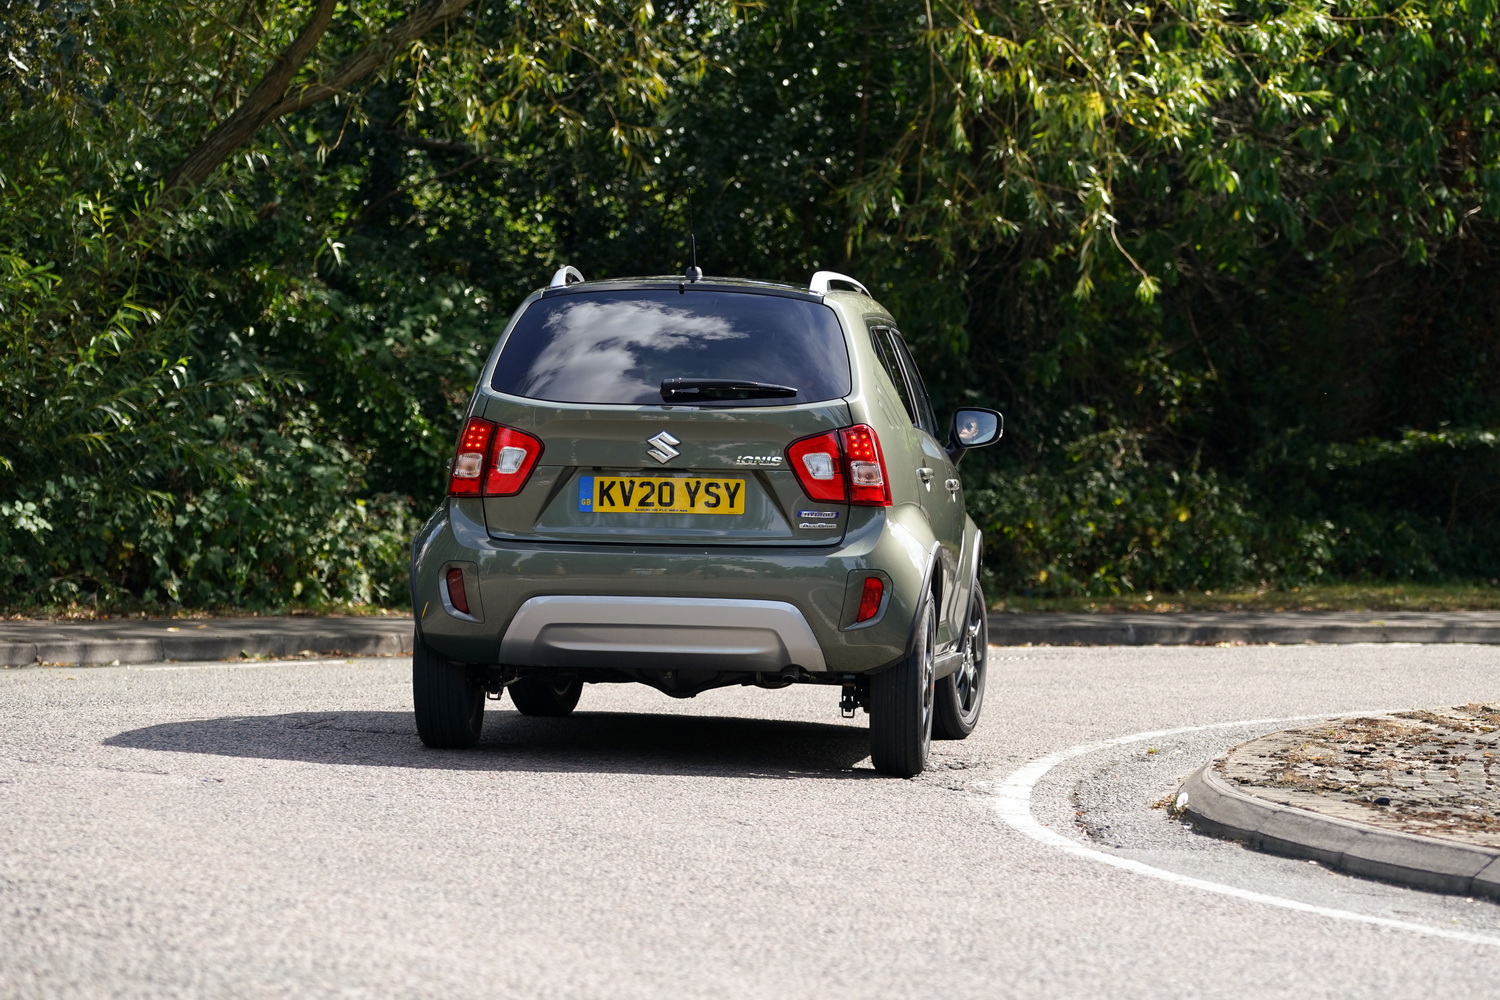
664,416
941,492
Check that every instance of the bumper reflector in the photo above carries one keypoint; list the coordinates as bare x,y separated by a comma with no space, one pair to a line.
869,601
457,596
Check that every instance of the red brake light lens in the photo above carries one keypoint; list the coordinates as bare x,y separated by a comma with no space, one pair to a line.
819,467
512,457
843,466
468,462
492,460
867,482
869,599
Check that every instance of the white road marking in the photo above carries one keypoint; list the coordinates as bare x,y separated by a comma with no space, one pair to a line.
1011,800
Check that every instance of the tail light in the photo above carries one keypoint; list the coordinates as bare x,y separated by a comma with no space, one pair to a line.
819,467
468,463
867,483
843,466
512,457
492,460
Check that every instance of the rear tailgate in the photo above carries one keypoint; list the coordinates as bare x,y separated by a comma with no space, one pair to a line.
665,475
665,412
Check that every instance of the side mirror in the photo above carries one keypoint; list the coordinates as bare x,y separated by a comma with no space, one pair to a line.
973,427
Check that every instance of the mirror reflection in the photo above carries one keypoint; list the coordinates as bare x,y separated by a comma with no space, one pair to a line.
976,427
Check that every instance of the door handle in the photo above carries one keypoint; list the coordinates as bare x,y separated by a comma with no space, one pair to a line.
953,485
926,475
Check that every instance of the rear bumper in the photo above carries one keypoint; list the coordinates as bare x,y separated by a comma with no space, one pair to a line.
660,633
617,605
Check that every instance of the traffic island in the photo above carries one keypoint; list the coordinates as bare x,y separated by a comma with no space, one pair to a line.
1405,797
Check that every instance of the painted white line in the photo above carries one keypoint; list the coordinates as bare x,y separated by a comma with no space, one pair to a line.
1012,802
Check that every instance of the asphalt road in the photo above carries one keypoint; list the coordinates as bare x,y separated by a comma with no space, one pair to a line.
276,830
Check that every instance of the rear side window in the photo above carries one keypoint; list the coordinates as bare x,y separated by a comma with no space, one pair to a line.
619,346
902,369
926,419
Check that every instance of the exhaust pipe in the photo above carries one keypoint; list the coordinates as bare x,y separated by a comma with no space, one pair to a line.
773,682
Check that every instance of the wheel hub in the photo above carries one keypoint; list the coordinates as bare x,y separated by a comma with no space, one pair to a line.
968,674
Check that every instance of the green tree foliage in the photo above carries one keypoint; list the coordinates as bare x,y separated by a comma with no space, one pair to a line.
1226,266
207,397
1302,199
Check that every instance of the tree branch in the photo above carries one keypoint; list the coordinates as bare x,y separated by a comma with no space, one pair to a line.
270,98
257,109
435,145
370,58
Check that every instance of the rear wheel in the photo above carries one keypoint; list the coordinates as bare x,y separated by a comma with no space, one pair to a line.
545,695
960,695
449,699
901,704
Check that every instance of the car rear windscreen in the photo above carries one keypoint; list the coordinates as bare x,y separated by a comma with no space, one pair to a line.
619,346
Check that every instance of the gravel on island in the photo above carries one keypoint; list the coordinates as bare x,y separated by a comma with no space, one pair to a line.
1428,772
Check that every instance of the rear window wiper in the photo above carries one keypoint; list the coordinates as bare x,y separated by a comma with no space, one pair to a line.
675,390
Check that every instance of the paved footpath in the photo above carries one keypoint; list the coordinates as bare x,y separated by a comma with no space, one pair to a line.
1181,628
153,640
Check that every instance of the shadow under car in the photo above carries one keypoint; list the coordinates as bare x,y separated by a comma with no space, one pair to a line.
590,742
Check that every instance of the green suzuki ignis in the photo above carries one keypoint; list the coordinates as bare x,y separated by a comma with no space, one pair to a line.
698,482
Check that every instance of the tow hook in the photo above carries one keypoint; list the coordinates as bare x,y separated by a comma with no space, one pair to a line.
853,698
494,685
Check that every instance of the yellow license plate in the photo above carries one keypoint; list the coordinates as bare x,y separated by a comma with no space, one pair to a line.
660,495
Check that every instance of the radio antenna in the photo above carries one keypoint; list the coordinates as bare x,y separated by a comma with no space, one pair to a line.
694,272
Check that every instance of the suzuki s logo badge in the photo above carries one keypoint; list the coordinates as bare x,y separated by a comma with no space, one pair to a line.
663,450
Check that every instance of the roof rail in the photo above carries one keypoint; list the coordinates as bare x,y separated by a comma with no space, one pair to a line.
821,280
565,276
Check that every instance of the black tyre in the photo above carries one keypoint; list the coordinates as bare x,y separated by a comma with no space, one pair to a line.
545,695
449,699
960,695
901,704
